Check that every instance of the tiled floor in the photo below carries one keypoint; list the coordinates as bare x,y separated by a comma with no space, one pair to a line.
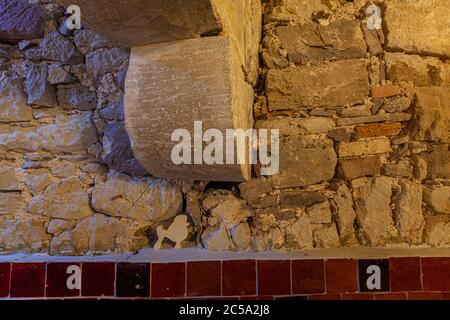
334,279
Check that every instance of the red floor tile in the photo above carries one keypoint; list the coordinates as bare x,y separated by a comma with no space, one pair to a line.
357,296
5,272
239,277
57,280
424,296
28,280
203,278
168,280
98,279
308,276
325,297
133,280
405,274
340,276
391,296
436,274
274,277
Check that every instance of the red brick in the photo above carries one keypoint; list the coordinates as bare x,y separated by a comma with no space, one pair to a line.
340,276
436,274
391,296
357,296
203,278
274,277
168,280
325,297
28,280
239,278
378,130
5,272
424,296
57,280
98,279
308,276
405,274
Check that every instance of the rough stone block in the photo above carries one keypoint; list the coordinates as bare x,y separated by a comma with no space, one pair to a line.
438,199
292,10
421,71
432,114
170,86
418,27
364,147
356,168
9,178
438,162
342,39
305,161
378,130
318,86
296,126
13,101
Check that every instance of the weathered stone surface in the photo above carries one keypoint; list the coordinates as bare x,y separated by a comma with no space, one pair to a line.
374,38
296,88
241,236
226,207
57,226
67,199
76,97
9,178
432,114
23,234
345,213
421,71
293,10
54,47
220,98
58,75
406,34
10,202
99,234
402,169
378,130
396,105
10,52
438,199
299,235
357,111
341,39
298,199
364,147
216,238
38,180
20,139
298,155
297,126
356,168
372,203
70,133
13,101
437,230
319,213
386,117
87,40
143,199
340,135
20,20
409,218
117,151
38,90
107,60
326,237
386,91
255,188
438,162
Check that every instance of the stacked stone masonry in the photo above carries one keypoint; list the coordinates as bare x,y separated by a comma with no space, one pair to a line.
364,119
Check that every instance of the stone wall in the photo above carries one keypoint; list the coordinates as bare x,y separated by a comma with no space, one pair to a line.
363,115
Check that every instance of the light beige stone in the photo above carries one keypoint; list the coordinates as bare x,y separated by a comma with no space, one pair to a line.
319,213
417,27
438,199
216,238
408,212
10,202
364,147
203,81
372,203
293,10
296,126
299,235
67,199
143,199
437,231
13,102
326,237
9,178
345,213
38,180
